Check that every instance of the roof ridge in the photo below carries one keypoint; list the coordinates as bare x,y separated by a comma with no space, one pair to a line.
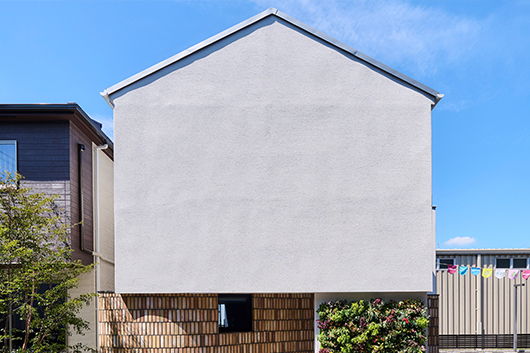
269,12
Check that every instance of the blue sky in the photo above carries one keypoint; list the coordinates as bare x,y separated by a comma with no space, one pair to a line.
477,53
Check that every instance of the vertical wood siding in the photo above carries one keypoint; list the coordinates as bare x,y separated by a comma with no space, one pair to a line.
76,137
42,149
477,305
43,159
187,323
47,158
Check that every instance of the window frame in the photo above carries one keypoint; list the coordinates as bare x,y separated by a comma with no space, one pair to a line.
10,142
512,262
520,258
249,324
503,258
438,262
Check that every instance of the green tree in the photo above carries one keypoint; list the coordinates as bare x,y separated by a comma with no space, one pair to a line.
36,272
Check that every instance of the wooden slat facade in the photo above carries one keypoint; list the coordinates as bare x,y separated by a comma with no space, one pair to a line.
433,302
187,323
78,137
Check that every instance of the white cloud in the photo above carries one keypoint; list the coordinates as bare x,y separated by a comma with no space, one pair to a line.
460,241
108,124
420,38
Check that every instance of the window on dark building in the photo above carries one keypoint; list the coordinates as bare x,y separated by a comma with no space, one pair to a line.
8,156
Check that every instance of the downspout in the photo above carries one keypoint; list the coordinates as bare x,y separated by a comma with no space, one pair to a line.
97,255
435,273
479,300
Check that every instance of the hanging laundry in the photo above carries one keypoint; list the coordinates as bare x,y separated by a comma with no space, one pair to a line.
512,274
486,272
451,269
500,273
475,271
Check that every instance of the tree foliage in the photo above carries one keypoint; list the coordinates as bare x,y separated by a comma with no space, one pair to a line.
36,272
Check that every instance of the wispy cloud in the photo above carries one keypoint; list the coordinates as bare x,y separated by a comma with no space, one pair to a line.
460,241
418,37
108,124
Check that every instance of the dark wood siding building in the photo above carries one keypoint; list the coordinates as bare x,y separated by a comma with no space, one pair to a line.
51,142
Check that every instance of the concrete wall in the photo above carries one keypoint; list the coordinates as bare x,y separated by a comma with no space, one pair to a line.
272,162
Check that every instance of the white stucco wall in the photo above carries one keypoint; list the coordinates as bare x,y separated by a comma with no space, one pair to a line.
271,162
106,221
87,313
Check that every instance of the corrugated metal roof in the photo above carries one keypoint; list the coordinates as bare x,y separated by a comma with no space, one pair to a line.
483,251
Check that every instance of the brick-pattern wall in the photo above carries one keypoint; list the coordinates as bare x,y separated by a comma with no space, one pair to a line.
187,323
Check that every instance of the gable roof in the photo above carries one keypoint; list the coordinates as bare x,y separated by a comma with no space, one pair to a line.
270,12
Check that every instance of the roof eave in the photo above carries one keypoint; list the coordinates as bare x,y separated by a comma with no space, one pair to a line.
67,107
482,251
151,70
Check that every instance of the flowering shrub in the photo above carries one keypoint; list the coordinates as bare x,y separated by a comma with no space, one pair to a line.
372,326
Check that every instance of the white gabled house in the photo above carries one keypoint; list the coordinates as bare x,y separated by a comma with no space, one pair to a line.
268,169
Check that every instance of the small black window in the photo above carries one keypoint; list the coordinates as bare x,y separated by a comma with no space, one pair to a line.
443,263
502,263
520,263
235,312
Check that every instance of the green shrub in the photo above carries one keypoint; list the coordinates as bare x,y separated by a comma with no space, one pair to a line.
372,326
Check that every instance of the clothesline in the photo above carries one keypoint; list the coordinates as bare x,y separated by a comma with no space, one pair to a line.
487,272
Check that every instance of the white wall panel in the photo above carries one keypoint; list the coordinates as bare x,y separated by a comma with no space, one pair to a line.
272,162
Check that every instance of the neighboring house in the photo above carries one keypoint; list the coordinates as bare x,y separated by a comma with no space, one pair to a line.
477,312
260,173
61,151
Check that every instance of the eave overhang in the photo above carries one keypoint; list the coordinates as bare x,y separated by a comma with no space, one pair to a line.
56,112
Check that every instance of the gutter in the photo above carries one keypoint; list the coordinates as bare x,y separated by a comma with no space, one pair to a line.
105,95
438,98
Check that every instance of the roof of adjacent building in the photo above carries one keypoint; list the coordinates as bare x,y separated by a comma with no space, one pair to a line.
270,12
499,251
26,112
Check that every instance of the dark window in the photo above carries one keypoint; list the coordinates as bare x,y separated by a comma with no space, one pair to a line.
235,312
503,263
520,263
443,263
8,156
